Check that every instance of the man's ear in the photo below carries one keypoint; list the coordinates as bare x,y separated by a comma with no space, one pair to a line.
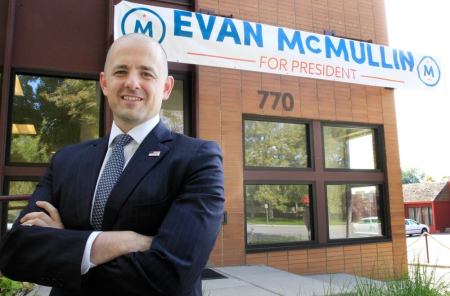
168,86
102,81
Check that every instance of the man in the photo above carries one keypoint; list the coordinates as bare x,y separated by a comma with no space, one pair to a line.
157,220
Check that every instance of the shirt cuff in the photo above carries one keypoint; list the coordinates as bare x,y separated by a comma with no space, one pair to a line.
86,263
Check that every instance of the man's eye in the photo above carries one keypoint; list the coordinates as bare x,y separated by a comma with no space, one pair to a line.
120,72
147,74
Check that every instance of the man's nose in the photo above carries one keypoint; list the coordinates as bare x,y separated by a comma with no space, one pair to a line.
133,81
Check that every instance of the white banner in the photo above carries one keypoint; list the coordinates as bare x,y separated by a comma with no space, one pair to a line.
195,38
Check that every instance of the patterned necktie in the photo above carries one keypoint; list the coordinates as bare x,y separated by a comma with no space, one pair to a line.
109,177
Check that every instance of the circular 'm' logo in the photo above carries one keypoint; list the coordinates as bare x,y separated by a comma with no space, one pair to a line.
428,71
145,21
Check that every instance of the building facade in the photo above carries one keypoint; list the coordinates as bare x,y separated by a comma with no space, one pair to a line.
312,174
428,203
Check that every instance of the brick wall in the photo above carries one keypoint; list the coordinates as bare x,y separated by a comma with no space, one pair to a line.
223,95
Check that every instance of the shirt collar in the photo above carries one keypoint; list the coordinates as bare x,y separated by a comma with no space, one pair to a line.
138,133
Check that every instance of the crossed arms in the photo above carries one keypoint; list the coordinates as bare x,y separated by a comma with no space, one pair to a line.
107,246
128,263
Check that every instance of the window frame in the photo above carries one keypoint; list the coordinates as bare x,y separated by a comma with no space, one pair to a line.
319,177
4,206
379,145
309,145
285,245
188,101
51,74
260,175
189,119
8,179
383,213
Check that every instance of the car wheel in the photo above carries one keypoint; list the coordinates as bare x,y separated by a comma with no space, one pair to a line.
424,230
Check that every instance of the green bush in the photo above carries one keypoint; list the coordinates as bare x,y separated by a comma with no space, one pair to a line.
12,288
417,282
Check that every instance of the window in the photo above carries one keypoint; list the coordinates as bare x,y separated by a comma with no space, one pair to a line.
176,112
312,182
353,211
172,110
275,144
48,113
18,188
349,148
421,214
277,213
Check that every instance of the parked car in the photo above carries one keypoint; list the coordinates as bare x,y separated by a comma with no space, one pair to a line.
413,227
368,225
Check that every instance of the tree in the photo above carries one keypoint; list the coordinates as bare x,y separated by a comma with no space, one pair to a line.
412,175
281,199
429,179
62,111
274,144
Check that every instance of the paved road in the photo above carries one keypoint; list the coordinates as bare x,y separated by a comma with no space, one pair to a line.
296,232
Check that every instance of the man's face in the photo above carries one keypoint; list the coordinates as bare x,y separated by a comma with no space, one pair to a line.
135,81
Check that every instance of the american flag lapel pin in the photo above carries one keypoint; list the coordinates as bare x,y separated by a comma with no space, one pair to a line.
154,153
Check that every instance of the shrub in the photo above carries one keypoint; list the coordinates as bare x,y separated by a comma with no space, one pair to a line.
12,288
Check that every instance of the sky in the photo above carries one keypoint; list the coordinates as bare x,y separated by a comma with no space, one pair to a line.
423,117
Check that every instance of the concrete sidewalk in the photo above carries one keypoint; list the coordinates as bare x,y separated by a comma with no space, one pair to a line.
261,280
432,249
433,253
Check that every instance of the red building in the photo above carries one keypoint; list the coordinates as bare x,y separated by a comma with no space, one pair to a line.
428,203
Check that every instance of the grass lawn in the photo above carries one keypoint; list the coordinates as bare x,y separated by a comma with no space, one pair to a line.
275,221
285,221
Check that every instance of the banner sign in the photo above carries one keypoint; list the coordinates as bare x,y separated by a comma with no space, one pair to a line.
201,39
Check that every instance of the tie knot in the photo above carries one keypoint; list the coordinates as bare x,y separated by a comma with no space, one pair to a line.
123,140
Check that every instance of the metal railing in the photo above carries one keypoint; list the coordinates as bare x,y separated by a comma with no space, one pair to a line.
437,247
5,208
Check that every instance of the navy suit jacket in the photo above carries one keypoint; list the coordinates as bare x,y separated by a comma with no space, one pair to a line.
176,196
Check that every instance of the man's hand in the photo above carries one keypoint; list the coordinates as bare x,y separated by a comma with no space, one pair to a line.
112,244
52,220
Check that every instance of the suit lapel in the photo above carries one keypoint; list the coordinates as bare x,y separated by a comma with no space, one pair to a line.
149,153
90,164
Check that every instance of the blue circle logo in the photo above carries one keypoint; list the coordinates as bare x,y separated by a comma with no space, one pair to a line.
145,21
428,71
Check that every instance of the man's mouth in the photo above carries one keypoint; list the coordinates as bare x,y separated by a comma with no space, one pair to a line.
131,98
